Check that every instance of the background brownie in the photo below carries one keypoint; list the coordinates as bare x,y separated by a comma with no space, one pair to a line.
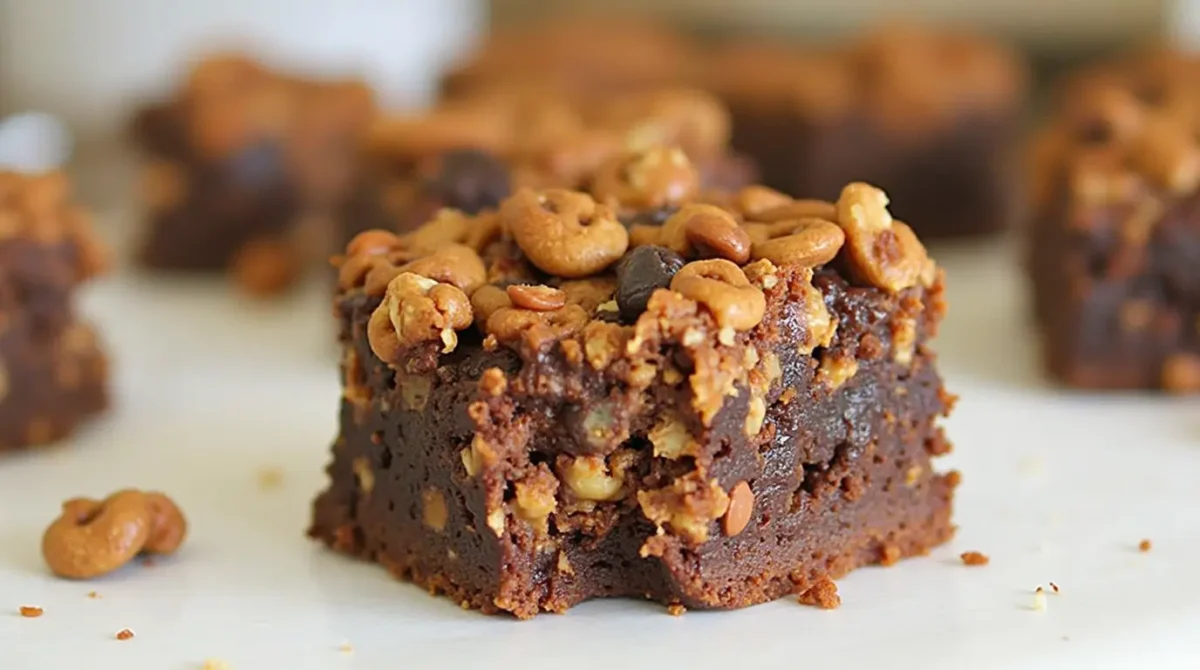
52,372
470,152
708,405
242,168
1115,242
930,115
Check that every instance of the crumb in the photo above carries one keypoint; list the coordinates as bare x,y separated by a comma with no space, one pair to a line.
823,594
1144,546
1054,587
269,478
124,634
30,612
974,558
93,595
1039,599
215,664
345,648
889,555
676,609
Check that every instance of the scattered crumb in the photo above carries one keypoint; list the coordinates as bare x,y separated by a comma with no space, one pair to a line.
823,594
676,609
93,595
124,634
269,478
974,558
215,664
1054,587
1144,546
1039,599
30,612
345,648
889,554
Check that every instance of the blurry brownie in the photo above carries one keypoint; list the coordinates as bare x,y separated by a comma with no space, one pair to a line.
52,371
930,116
471,152
242,167
639,391
1114,243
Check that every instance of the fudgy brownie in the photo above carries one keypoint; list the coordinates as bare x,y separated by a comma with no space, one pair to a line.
708,402
930,115
244,166
52,372
1114,244
470,153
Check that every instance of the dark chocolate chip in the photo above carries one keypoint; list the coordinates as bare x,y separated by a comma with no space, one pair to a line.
649,217
469,180
641,272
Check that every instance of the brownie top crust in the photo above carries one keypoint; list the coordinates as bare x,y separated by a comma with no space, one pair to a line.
1123,131
643,250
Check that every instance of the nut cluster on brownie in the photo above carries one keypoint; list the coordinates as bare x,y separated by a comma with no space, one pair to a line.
552,263
1115,177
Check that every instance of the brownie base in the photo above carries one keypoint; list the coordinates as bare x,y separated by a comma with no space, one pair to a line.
843,478
51,384
954,182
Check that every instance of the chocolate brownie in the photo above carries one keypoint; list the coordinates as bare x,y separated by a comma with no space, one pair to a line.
1114,244
52,372
471,152
930,115
707,402
244,166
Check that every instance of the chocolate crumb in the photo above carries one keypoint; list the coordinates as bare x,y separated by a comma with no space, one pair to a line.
974,558
1054,587
823,594
1144,546
30,612
124,634
676,609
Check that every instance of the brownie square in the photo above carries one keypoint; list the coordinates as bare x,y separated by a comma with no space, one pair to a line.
718,406
52,371
470,152
243,168
1114,245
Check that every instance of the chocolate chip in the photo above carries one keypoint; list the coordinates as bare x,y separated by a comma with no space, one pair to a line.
649,217
640,273
468,180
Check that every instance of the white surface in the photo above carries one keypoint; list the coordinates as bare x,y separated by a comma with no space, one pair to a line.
89,61
1058,487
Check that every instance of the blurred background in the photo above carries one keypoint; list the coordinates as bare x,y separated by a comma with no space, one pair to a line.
90,62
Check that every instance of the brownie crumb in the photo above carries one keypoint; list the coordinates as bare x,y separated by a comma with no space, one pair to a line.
676,609
1039,599
30,612
124,634
974,558
823,594
1054,587
1144,546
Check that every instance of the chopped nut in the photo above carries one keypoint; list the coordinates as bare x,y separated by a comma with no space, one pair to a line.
974,558
563,564
124,634
535,499
433,509
687,507
675,609
755,416
414,310
495,521
837,370
30,612
589,479
363,474
671,439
